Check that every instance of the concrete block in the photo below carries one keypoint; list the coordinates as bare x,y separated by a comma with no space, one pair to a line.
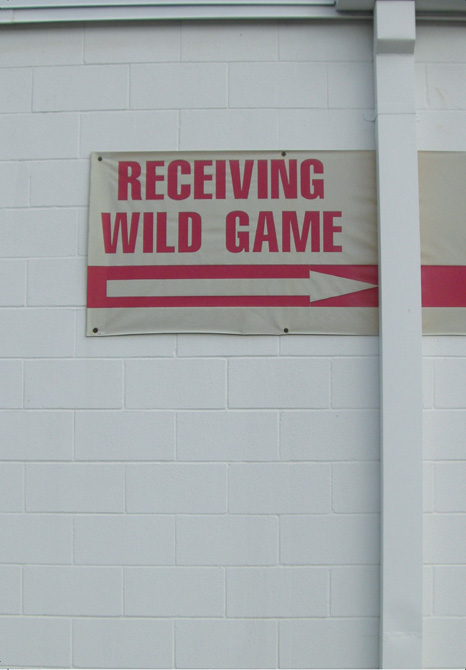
178,86
36,436
277,85
124,436
82,223
440,44
10,593
280,383
277,592
441,130
427,383
428,487
303,41
11,487
132,43
421,86
328,345
59,183
240,41
175,592
85,88
443,435
453,345
227,436
214,130
174,488
354,591
27,136
336,643
33,233
48,642
355,383
12,283
443,539
350,85
75,487
226,345
14,184
326,129
124,540
279,488
226,643
343,435
444,642
36,538
428,591
41,45
450,383
78,384
356,487
128,131
57,282
329,539
17,86
177,384
227,540
11,388
450,591
450,489
128,643
72,591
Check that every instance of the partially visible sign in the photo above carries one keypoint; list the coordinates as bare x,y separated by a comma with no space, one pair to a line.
233,242
443,242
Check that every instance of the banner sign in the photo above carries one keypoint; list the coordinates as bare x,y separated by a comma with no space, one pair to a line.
233,242
443,242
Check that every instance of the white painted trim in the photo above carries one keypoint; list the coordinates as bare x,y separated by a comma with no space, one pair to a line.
191,10
442,6
400,336
170,12
66,4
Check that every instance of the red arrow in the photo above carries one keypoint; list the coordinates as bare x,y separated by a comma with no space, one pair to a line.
442,285
98,277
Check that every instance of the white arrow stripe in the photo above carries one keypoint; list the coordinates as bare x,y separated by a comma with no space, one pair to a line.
319,287
204,287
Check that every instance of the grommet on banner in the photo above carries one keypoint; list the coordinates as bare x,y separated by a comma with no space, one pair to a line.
99,158
95,330
285,330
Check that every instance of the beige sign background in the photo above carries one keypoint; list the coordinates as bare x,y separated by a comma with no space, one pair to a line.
443,242
233,242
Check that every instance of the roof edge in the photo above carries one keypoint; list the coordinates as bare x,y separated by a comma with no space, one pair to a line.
445,7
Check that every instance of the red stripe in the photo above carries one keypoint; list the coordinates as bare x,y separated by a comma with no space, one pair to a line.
203,271
443,286
208,301
365,273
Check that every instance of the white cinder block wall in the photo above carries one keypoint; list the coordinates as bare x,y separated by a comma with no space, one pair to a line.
189,501
200,501
441,75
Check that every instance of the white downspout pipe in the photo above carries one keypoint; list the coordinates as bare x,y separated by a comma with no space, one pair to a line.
400,335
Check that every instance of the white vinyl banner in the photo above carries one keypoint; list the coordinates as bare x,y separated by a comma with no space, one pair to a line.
233,242
443,242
